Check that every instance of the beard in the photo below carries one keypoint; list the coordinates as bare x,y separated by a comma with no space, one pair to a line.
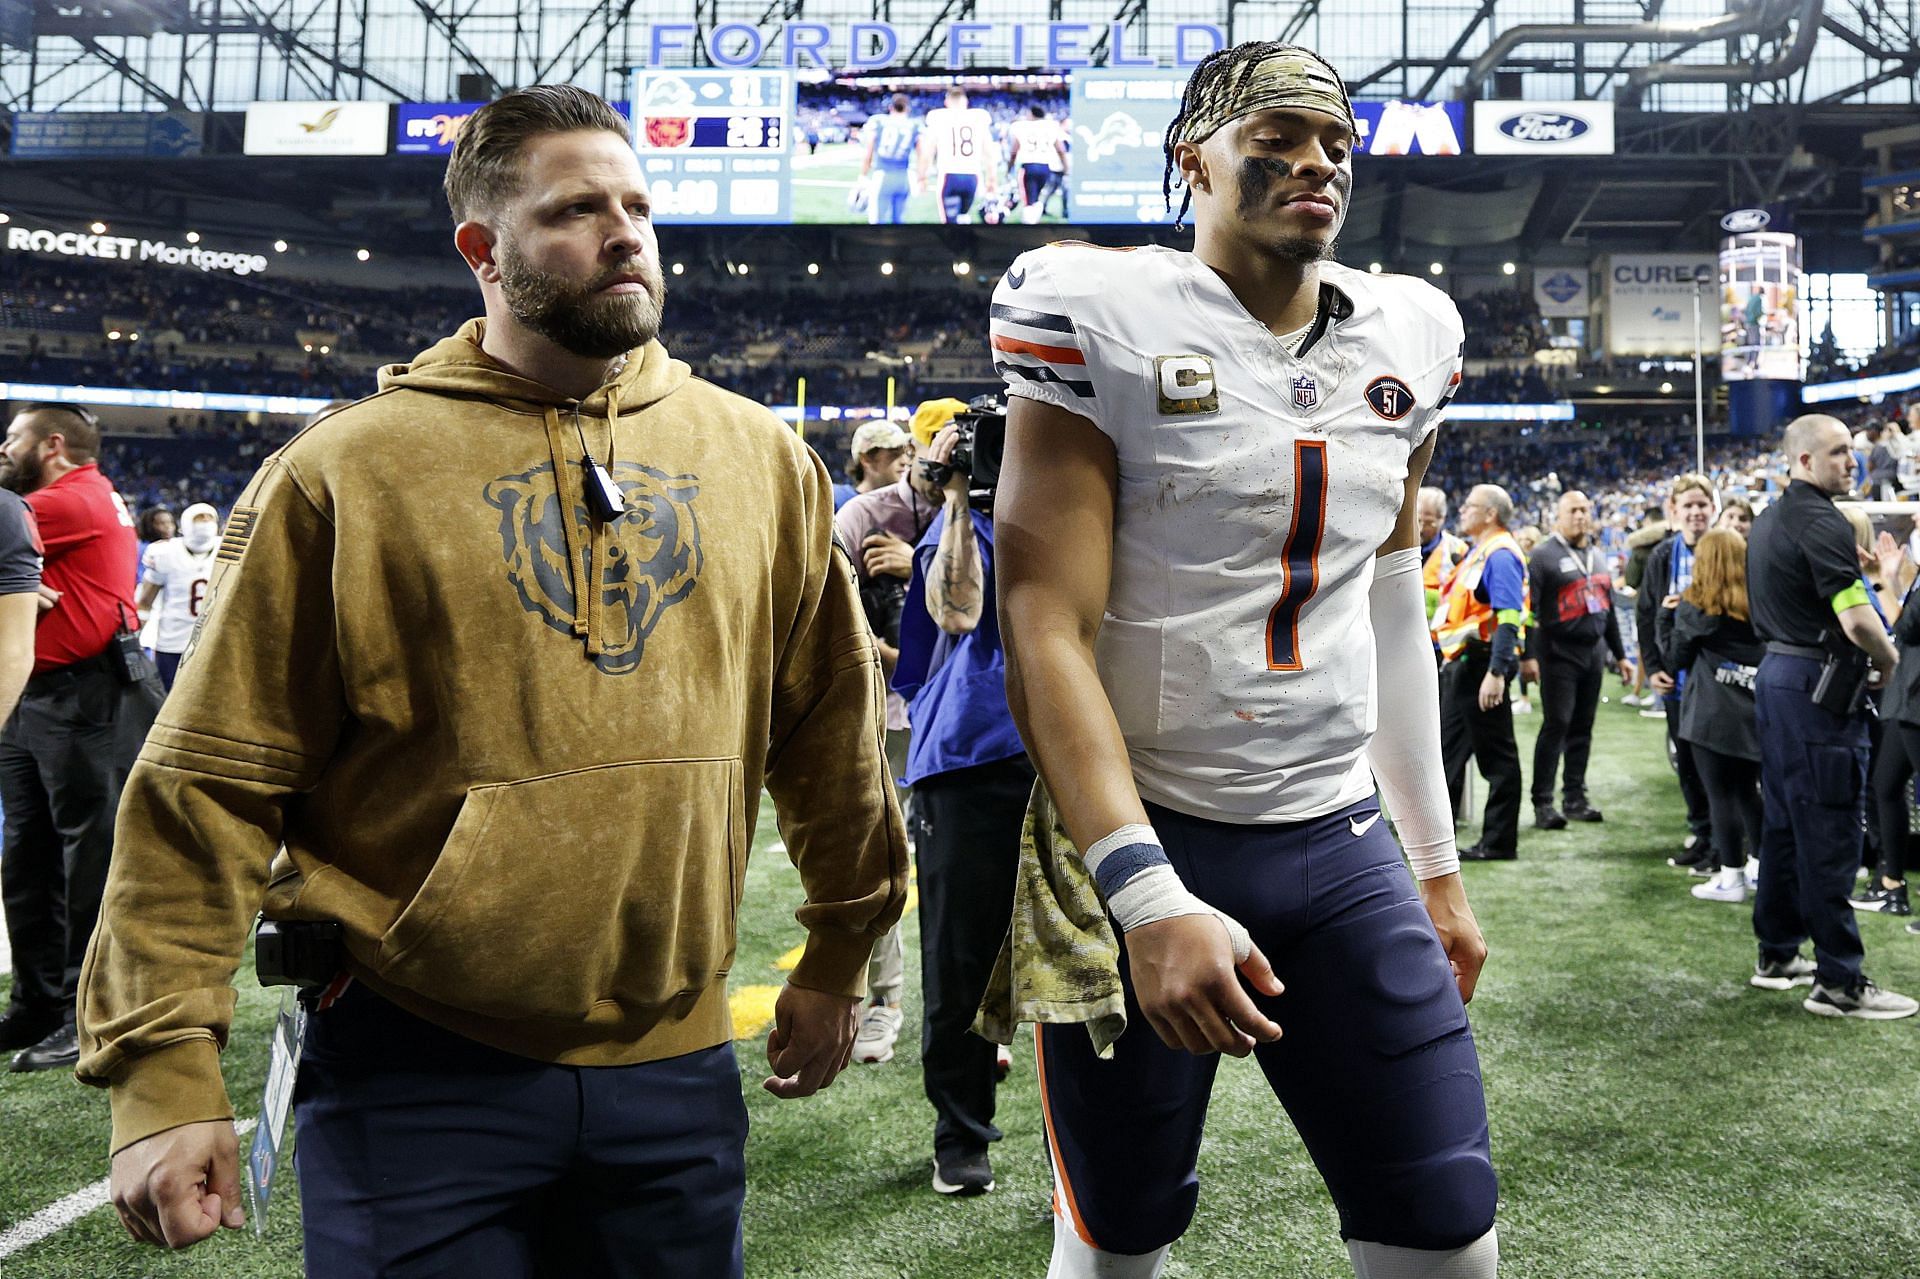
578,318
22,477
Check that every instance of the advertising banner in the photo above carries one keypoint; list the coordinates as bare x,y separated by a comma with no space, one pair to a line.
1759,312
1561,293
1120,121
1650,302
429,128
316,128
88,135
1411,128
1543,128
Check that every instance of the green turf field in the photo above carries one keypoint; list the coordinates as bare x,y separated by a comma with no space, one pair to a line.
821,182
1652,1115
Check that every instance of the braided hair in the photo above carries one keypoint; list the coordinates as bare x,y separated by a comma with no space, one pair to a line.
1215,77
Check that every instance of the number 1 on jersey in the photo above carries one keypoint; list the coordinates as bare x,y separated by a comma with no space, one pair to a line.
1300,556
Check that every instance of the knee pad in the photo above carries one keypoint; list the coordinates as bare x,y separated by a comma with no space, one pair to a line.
1477,1260
1074,1259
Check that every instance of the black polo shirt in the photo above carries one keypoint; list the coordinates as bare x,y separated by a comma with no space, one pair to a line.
1800,557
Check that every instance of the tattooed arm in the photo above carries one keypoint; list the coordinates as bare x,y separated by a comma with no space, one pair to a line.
956,580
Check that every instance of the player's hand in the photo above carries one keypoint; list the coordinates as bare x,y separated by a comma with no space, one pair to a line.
812,1040
1493,691
1530,669
179,1186
887,556
1184,978
1660,682
1446,901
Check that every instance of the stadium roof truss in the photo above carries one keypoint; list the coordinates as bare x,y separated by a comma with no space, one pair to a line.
1669,55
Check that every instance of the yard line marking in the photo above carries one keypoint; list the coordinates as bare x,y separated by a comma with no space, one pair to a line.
56,1217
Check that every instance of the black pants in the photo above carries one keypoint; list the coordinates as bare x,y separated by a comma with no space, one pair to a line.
967,866
1487,737
1892,778
1733,798
1569,698
1813,780
1699,816
63,757
424,1153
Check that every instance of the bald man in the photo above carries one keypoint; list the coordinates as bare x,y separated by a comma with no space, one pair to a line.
1572,592
1811,606
1477,627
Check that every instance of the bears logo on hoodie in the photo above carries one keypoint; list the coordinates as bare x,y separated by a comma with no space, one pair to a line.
654,562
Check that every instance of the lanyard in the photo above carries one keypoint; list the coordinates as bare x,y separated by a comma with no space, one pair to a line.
1586,569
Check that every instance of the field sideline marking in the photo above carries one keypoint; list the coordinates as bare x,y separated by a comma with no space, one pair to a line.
56,1217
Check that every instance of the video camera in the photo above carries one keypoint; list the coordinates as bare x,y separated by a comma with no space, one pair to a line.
981,442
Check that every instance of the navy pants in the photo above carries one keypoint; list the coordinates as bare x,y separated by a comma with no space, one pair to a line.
1376,1065
422,1153
1813,786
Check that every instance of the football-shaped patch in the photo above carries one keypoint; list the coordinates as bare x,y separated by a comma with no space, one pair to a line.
1390,398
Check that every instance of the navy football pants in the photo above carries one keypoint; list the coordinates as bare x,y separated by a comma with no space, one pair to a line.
422,1153
1376,1065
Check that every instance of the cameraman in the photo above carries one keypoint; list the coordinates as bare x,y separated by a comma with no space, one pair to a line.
880,527
971,775
1811,608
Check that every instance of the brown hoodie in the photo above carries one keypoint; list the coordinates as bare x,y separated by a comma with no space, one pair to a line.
516,755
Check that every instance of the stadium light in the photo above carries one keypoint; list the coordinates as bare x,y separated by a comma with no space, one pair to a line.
1373,267
813,268
98,228
307,347
886,268
744,268
133,337
679,268
1666,388
4,219
113,335
1434,268
193,237
1506,268
363,255
963,268
326,350
279,246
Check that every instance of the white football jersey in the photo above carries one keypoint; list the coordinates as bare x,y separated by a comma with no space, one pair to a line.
1255,489
1037,142
962,140
182,578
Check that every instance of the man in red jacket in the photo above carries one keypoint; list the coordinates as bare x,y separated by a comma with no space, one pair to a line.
67,748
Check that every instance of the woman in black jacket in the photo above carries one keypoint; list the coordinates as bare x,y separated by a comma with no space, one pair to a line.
1714,643
1899,753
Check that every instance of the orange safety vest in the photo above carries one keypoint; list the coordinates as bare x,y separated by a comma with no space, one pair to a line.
1462,615
1434,572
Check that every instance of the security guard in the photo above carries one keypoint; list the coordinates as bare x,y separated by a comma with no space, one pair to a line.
1811,607
1477,627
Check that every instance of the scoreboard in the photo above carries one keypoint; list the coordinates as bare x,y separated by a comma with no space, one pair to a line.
714,144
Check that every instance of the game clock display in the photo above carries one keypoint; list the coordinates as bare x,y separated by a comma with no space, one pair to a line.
714,144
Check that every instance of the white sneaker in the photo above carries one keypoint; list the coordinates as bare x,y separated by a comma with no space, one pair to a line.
1783,974
1865,1001
1724,887
879,1027
1521,706
1752,872
1652,712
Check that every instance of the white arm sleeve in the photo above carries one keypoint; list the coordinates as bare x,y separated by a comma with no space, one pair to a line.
1405,751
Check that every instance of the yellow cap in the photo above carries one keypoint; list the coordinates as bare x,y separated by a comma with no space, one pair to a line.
931,416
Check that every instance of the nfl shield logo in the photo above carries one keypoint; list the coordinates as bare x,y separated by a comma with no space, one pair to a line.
1306,392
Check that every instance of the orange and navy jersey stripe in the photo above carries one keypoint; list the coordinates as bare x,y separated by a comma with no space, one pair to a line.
1039,346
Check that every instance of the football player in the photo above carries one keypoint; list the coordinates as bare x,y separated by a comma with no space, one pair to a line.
1231,439
890,140
175,572
1039,151
959,144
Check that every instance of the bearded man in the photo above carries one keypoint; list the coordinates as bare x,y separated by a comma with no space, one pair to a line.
503,656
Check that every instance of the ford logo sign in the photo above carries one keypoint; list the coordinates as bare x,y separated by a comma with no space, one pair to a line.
1543,126
1744,221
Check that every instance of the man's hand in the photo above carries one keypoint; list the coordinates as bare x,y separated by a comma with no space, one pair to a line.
179,1186
1493,691
1670,602
940,450
812,1040
1183,976
1626,671
1446,901
1530,669
48,598
1660,682
887,556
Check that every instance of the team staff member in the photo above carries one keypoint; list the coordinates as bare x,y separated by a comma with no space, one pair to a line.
1803,574
1669,573
971,774
1478,631
1439,549
64,753
1573,602
513,737
22,1025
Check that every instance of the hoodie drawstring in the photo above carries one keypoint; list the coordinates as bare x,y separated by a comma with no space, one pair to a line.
571,496
602,542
